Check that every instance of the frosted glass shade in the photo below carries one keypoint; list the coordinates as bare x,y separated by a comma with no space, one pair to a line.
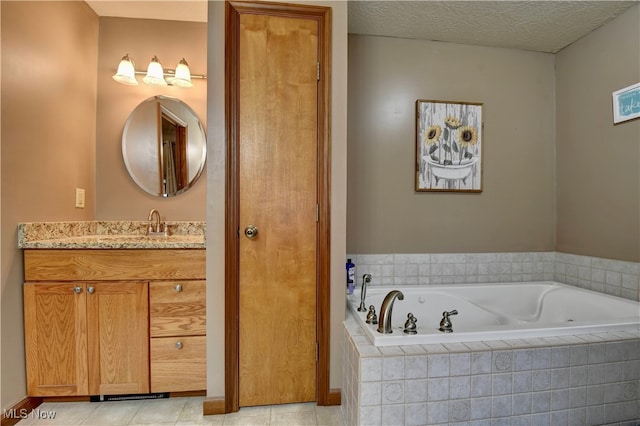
155,73
126,73
182,77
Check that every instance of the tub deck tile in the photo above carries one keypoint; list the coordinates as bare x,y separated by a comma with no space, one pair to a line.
435,348
517,343
391,351
413,350
477,346
535,342
456,347
368,351
497,344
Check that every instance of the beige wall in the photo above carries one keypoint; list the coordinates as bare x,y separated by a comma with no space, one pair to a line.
49,62
216,191
598,163
117,196
515,211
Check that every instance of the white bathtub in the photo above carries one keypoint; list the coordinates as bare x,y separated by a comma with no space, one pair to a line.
497,312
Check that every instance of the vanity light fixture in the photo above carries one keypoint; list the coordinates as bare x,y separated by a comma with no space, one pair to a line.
155,74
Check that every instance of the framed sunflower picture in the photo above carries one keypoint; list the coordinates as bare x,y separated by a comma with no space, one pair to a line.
448,146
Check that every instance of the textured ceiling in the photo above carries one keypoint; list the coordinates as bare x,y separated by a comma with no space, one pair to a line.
544,26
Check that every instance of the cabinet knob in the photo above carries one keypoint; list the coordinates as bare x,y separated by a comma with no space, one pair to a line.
91,289
178,288
77,289
179,344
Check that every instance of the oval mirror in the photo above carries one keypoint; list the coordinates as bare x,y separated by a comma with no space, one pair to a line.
164,146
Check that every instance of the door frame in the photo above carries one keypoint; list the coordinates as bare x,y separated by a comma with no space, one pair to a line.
233,12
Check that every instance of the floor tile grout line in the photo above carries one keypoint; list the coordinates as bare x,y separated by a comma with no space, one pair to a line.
181,411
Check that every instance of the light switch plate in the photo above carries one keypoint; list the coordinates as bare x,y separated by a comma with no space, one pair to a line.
79,198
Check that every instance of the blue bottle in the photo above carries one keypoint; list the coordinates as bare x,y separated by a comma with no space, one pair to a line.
351,276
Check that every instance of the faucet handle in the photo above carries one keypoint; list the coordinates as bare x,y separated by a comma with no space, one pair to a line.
372,318
445,323
410,325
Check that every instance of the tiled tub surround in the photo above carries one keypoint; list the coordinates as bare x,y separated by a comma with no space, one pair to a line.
617,278
590,379
109,234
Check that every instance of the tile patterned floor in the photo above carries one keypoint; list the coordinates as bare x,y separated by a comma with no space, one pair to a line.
177,411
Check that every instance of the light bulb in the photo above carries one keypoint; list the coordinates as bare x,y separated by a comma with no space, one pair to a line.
126,73
155,73
182,77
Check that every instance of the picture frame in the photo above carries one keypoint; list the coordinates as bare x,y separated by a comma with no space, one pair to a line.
449,146
626,103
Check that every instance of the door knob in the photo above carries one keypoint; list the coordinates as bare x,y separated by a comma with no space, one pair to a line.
251,232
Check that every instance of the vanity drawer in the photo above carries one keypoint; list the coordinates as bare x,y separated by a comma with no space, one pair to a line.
177,308
178,364
113,265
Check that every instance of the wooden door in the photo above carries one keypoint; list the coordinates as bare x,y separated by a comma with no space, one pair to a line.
56,339
278,121
118,337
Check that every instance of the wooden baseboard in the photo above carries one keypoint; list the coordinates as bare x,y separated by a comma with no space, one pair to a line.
211,406
187,393
334,397
65,399
19,411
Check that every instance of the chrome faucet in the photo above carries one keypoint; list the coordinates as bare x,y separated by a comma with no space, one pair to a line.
445,324
154,228
366,278
384,321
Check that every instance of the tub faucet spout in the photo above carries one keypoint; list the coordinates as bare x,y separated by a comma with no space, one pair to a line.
366,278
384,321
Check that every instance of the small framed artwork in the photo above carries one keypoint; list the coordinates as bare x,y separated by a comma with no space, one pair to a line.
626,103
448,146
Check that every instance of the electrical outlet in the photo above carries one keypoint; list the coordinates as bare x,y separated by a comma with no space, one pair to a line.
79,198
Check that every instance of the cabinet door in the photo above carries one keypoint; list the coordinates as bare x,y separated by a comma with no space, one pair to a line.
55,339
118,336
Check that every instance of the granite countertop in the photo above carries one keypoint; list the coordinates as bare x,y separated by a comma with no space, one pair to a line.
109,235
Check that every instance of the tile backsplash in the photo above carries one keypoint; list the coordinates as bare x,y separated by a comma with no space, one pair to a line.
618,278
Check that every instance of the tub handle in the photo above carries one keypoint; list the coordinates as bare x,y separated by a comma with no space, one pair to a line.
410,325
372,318
445,323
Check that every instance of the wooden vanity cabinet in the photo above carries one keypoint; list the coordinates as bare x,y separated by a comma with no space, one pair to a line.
84,338
89,324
